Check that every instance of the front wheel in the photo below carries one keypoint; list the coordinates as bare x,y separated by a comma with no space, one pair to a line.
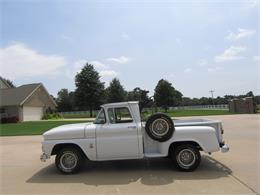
186,157
68,160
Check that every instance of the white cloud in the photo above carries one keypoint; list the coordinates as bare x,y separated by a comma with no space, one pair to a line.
202,62
124,36
108,73
187,70
18,60
250,4
120,60
79,63
98,64
242,33
103,69
256,58
76,67
231,54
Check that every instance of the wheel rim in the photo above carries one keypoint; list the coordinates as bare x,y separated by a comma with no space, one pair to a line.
160,127
186,158
68,161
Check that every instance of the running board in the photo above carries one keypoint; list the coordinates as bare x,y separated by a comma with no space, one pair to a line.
153,155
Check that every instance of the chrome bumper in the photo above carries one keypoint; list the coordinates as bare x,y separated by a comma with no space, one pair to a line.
224,148
44,157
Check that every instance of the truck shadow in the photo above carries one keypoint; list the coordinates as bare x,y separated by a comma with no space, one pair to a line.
150,172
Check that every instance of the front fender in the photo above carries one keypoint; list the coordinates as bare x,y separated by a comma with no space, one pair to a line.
88,146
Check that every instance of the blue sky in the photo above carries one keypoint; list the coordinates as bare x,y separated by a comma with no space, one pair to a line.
196,45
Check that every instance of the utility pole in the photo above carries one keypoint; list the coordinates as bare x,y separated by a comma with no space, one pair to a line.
212,96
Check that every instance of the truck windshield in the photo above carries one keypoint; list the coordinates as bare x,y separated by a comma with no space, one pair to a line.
101,118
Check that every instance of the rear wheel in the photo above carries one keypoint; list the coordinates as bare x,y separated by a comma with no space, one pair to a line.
69,160
186,157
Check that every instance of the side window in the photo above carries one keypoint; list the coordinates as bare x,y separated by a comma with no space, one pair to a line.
101,118
111,115
122,115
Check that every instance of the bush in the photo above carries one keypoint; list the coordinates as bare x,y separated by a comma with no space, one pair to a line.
48,116
12,119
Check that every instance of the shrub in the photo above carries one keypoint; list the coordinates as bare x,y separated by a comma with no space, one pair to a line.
12,119
48,116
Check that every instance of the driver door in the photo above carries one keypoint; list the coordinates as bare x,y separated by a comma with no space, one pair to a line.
117,138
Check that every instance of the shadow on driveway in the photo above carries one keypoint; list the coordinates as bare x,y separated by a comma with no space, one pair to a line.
150,172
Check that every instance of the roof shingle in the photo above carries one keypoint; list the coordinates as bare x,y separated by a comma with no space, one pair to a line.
15,96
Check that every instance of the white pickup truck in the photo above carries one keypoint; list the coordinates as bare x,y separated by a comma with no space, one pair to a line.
118,133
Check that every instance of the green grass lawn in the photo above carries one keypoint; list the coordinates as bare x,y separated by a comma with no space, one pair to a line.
32,128
39,127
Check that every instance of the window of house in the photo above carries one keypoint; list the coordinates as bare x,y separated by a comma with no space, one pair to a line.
2,110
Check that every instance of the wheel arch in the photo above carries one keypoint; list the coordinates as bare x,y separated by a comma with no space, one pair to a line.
59,146
175,144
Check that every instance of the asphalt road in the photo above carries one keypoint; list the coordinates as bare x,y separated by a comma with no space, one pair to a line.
235,172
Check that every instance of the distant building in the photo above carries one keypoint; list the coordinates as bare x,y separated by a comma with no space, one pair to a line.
243,106
27,102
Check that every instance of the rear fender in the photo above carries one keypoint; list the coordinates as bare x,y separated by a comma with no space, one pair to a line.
204,136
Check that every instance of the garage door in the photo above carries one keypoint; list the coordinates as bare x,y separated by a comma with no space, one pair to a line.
32,113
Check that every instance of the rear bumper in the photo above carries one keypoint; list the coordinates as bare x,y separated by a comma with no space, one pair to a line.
224,147
44,157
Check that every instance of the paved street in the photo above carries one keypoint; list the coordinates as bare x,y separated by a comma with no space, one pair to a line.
236,172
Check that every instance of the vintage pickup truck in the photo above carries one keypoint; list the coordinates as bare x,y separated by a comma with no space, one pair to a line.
118,133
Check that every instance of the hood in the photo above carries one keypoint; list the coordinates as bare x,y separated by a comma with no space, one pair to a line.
71,131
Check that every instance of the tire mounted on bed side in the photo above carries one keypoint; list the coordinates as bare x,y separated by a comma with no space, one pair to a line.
159,127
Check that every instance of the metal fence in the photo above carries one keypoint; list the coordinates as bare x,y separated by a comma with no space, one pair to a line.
86,114
199,107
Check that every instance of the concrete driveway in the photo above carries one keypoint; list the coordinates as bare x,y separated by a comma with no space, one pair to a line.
236,172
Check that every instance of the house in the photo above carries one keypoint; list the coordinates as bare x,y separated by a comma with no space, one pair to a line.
4,84
27,102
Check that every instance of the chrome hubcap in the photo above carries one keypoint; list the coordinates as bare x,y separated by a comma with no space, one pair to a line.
68,160
186,158
160,127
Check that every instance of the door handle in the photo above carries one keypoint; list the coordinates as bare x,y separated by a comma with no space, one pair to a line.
131,127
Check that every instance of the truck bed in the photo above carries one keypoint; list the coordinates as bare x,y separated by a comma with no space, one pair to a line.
152,148
194,122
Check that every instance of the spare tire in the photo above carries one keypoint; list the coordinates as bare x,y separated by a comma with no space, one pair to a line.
159,127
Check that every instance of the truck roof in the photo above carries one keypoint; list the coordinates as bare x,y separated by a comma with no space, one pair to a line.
119,104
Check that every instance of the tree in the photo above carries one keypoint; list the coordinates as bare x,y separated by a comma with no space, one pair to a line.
115,92
10,83
89,93
140,95
65,100
250,94
186,101
165,95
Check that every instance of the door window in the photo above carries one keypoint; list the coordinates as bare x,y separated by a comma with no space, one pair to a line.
111,115
122,115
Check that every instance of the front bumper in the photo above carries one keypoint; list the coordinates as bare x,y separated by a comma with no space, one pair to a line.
44,157
224,148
